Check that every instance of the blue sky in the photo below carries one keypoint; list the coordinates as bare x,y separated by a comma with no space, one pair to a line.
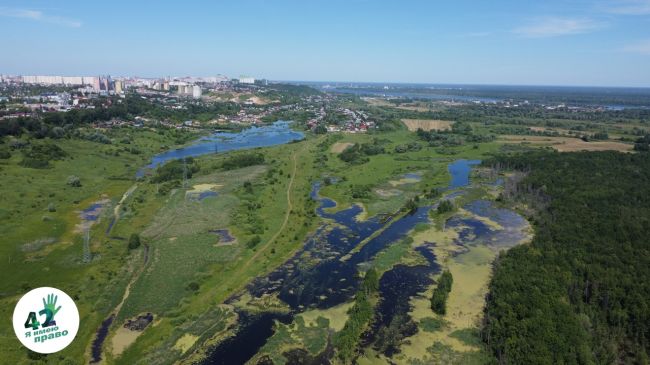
600,43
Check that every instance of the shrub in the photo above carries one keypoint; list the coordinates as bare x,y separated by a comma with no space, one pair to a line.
445,206
134,241
39,156
74,181
253,242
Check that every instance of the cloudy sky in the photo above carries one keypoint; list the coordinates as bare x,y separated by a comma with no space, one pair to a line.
601,43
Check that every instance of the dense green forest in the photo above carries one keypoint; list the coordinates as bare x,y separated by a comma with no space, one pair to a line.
579,293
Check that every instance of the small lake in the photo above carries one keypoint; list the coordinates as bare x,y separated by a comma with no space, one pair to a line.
277,133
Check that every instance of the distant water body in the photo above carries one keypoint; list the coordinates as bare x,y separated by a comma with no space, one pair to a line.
610,98
277,133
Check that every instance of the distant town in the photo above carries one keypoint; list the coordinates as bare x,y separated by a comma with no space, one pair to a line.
64,93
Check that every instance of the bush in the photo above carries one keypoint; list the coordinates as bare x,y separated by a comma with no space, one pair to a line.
134,241
74,181
253,242
39,156
445,206
98,137
193,286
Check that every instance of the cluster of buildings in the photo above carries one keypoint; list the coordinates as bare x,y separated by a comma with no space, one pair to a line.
185,86
355,121
188,90
96,83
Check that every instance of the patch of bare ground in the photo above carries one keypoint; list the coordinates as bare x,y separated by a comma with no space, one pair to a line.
339,147
427,124
567,144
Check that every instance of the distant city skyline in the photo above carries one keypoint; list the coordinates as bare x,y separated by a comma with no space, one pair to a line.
504,42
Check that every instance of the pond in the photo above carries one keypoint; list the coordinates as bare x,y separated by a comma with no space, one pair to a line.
277,133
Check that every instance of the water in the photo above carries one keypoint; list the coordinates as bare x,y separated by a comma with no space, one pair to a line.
512,230
224,235
96,348
253,137
93,212
325,272
460,172
254,330
416,95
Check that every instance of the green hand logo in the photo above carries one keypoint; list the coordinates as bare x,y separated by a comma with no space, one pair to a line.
49,310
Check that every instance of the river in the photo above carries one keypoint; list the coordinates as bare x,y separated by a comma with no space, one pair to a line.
324,273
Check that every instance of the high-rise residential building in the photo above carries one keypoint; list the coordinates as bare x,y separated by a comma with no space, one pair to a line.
246,80
118,87
196,92
96,84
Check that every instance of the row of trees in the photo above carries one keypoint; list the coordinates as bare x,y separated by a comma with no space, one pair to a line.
441,293
360,315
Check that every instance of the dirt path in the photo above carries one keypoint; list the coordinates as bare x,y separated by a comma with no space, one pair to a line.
286,215
116,210
98,341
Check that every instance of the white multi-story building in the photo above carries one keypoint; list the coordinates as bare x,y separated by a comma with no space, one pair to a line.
246,80
196,92
60,80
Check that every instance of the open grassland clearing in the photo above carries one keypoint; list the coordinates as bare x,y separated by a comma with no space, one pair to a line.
261,211
567,144
427,124
40,210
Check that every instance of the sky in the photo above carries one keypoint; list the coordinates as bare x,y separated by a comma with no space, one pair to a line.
504,42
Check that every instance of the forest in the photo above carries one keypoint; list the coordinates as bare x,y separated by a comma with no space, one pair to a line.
578,294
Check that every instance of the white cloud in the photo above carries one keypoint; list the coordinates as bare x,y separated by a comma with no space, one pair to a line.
557,26
628,7
642,47
39,16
